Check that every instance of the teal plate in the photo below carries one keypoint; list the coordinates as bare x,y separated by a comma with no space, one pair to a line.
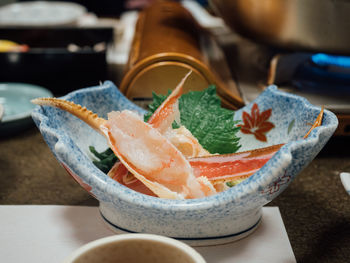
15,99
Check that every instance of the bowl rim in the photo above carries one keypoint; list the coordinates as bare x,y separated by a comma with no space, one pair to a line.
171,242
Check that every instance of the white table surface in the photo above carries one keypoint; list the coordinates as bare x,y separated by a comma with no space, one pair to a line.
48,233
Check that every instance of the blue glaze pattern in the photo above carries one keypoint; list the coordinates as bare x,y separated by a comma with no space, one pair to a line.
224,214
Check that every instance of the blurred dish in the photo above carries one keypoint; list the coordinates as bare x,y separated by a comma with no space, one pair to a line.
1,111
291,24
345,179
10,46
15,99
40,13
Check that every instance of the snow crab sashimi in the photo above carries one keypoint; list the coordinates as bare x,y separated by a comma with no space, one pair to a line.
225,170
185,142
121,174
157,160
150,156
232,166
218,169
166,114
144,151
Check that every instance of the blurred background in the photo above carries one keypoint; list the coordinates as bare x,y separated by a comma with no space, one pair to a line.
241,46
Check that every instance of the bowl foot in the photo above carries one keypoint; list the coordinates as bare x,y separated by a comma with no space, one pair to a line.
211,241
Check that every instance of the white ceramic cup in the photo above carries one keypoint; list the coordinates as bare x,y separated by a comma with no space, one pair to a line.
135,248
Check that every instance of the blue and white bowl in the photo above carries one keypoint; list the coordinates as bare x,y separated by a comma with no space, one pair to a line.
274,117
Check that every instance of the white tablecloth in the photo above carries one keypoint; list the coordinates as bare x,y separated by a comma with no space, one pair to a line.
35,234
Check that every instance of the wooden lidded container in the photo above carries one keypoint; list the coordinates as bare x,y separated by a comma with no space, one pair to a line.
165,47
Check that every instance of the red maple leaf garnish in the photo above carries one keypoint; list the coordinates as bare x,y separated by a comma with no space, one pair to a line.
256,123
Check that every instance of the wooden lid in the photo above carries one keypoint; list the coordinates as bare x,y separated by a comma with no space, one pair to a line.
161,72
165,47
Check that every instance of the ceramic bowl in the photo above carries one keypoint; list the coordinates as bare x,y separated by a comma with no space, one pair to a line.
279,117
136,248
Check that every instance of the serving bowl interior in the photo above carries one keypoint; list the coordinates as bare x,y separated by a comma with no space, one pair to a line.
275,117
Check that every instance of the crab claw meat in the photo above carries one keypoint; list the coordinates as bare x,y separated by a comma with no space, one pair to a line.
152,159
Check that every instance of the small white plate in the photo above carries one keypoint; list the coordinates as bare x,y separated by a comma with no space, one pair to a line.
40,13
15,99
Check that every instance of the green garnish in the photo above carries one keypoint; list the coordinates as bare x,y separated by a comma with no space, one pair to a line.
106,159
201,113
157,101
235,182
230,184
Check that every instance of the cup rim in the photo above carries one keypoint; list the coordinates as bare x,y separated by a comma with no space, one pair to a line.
191,252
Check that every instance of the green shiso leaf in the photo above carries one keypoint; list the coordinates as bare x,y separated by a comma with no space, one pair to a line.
201,113
213,126
106,159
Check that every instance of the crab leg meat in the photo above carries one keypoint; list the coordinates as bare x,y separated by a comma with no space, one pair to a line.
121,174
232,166
216,168
168,111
